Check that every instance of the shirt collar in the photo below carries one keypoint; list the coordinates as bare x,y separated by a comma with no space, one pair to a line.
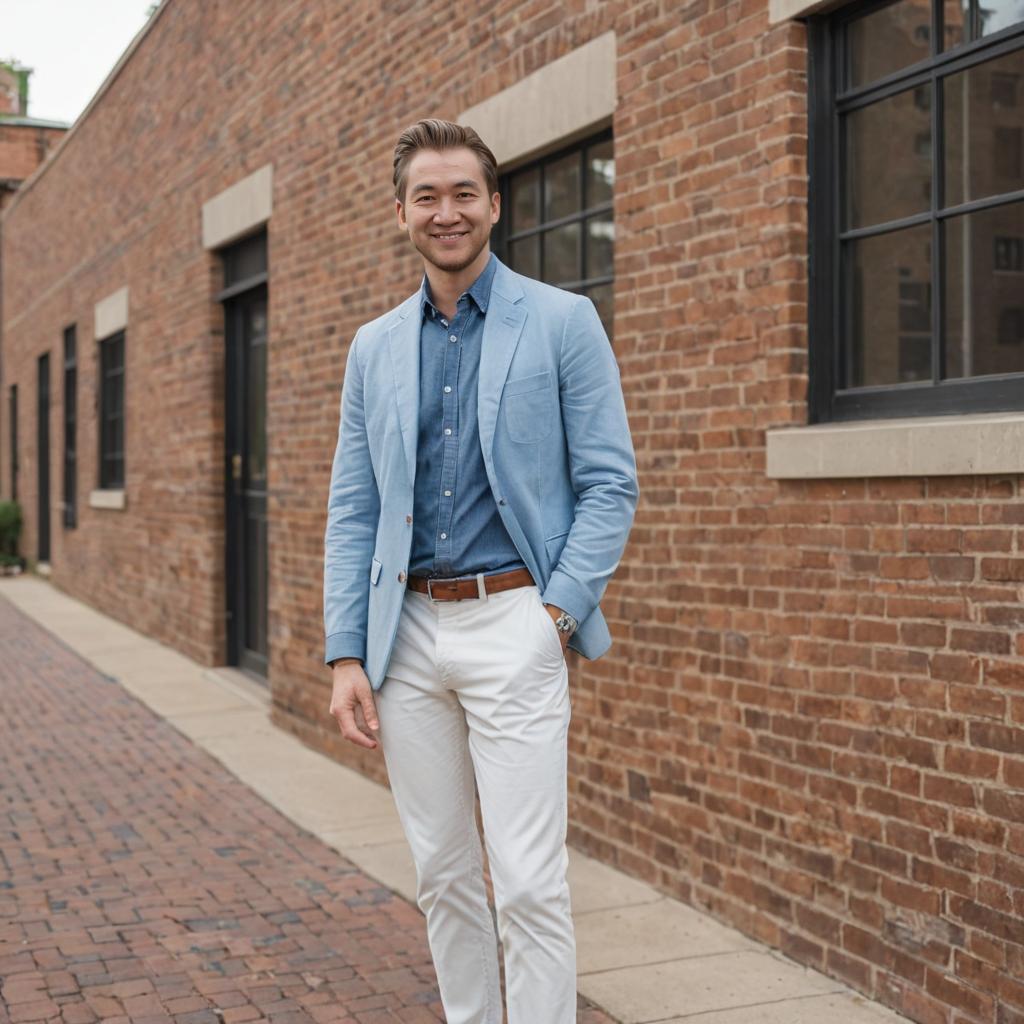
479,291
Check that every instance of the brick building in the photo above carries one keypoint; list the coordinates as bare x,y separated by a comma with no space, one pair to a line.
804,226
25,141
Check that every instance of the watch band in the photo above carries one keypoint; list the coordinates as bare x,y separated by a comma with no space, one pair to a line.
565,623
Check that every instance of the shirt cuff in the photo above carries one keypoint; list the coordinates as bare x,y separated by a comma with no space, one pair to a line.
345,645
564,592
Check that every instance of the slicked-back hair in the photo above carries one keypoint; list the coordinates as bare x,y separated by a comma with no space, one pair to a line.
433,133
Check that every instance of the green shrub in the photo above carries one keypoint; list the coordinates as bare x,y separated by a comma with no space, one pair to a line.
10,528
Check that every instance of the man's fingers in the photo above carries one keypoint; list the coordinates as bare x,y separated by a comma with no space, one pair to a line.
345,715
369,708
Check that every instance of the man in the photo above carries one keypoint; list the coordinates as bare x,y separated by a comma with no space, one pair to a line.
482,491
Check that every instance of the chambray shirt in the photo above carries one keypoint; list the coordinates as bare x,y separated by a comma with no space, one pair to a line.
456,528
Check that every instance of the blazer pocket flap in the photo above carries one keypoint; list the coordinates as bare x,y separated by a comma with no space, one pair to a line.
522,385
374,571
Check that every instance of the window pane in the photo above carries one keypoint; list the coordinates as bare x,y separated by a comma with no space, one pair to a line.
245,259
888,299
967,21
888,160
886,40
114,395
600,243
256,396
562,254
984,142
985,292
600,173
524,194
562,187
524,256
109,435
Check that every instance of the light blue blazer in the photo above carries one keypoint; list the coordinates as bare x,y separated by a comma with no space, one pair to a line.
556,446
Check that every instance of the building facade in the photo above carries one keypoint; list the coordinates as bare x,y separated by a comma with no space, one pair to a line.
25,141
802,224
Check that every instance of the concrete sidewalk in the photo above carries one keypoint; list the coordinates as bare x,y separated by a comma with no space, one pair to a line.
642,957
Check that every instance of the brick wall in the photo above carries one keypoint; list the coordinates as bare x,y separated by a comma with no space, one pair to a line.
812,720
23,147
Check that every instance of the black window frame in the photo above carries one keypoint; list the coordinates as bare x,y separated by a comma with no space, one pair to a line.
70,426
827,401
503,238
13,409
111,377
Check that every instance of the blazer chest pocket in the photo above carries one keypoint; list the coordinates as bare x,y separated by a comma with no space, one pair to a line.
529,407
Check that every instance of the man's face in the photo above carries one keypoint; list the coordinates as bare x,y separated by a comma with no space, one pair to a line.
447,210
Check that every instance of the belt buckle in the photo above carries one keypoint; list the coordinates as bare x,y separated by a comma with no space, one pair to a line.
430,589
481,590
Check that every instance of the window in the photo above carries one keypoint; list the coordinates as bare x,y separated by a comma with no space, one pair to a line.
916,209
557,223
112,412
70,412
14,442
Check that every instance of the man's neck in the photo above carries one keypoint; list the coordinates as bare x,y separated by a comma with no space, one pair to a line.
446,286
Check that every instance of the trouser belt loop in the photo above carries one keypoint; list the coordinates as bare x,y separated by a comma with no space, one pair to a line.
480,588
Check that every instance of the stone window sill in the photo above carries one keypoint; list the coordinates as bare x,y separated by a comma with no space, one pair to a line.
106,499
922,446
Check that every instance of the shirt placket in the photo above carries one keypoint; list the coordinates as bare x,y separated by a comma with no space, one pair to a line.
450,436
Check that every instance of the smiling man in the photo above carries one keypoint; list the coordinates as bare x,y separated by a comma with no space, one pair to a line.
482,491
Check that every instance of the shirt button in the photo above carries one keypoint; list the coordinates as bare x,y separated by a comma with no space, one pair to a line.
447,389
447,430
453,338
447,494
408,519
444,536
401,576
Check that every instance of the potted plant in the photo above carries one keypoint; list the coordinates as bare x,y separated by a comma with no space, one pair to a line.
10,529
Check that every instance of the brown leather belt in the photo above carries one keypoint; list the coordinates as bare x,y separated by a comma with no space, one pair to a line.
473,586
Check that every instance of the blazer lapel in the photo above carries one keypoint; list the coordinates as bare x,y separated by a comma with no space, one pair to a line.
503,327
404,344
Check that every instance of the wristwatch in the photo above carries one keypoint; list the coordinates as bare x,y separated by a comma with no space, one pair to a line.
565,623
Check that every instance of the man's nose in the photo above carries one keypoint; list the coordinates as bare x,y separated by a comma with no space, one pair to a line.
447,212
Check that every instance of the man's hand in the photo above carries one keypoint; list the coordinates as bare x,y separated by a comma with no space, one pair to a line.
554,611
352,703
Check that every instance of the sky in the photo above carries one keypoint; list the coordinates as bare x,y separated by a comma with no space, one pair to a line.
70,45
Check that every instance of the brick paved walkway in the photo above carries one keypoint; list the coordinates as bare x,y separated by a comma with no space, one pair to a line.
141,882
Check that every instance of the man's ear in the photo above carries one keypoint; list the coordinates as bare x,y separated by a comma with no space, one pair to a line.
400,213
495,207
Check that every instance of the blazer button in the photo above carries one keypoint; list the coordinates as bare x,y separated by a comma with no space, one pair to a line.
401,576
408,519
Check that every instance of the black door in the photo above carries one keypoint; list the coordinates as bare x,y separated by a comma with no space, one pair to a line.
246,403
43,458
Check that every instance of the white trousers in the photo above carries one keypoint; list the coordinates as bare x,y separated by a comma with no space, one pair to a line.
477,691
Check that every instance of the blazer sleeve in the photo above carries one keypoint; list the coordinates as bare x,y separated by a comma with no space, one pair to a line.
602,464
353,511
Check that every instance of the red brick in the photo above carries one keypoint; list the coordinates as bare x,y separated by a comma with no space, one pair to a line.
992,736
973,763
1010,570
982,640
